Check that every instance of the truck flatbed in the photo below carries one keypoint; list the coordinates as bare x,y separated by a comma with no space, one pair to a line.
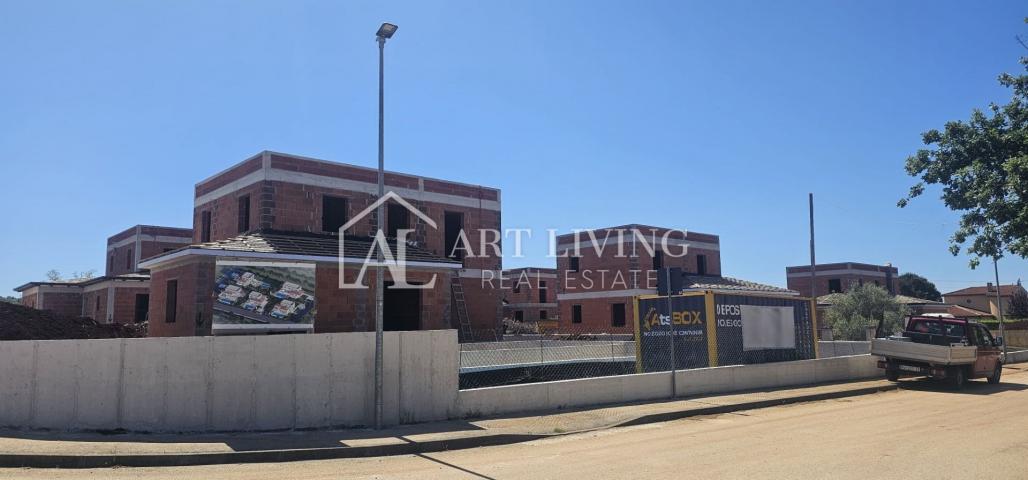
922,352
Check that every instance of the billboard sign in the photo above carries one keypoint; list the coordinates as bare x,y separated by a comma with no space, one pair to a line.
263,296
685,325
759,329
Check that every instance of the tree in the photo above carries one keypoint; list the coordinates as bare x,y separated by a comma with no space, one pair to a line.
982,166
914,285
1018,305
14,300
864,306
53,275
86,275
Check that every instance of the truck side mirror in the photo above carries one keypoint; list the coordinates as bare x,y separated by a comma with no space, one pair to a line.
998,341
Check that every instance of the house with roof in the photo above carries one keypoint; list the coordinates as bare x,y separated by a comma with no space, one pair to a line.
322,216
829,278
984,298
530,294
601,271
122,294
300,274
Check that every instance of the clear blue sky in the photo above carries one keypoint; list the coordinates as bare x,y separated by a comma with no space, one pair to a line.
717,117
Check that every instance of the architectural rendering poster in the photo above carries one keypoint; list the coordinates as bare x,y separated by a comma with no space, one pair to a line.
262,296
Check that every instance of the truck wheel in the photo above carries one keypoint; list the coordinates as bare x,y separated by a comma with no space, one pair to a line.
891,374
958,378
994,378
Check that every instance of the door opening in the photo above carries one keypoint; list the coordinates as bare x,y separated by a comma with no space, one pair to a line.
401,309
142,307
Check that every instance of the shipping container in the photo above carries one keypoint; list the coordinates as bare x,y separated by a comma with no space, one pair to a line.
709,329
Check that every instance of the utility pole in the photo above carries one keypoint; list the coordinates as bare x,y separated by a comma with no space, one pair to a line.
813,274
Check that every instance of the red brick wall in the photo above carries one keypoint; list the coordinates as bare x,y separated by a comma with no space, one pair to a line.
125,303
28,299
225,213
122,259
234,173
151,248
297,207
611,270
530,313
614,270
485,307
802,284
596,316
94,305
195,295
63,303
338,310
528,282
348,310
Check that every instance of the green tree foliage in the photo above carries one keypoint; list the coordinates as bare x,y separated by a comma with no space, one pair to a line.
914,285
1018,305
865,306
14,300
982,166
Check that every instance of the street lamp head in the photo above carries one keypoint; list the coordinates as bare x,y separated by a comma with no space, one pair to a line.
386,30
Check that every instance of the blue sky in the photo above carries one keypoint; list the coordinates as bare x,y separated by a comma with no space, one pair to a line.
717,117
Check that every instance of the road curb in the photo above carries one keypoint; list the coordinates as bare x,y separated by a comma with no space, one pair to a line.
411,448
736,407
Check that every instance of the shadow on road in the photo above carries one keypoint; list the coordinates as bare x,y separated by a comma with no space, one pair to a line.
469,472
252,441
975,387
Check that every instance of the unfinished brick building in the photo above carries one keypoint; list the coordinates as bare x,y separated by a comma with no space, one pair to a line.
122,294
599,272
286,208
840,277
530,294
126,249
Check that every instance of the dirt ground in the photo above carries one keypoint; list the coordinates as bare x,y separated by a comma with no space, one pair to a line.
23,323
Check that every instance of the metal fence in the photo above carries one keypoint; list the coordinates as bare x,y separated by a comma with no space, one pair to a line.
695,330
545,357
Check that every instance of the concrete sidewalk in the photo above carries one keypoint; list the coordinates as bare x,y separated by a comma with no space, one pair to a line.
90,450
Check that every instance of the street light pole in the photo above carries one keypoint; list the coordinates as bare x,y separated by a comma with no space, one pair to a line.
385,32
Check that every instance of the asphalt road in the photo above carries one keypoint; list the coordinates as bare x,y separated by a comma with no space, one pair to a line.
921,431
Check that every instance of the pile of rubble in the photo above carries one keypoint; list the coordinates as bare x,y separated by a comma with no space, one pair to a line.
24,323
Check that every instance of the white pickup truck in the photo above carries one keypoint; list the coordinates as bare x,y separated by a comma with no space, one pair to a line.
946,348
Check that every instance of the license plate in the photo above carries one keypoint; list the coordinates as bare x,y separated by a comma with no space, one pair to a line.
908,368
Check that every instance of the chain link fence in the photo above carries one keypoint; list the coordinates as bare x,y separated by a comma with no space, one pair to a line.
696,330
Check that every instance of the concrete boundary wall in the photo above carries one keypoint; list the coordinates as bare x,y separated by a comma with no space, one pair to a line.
1016,357
226,383
657,386
842,348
